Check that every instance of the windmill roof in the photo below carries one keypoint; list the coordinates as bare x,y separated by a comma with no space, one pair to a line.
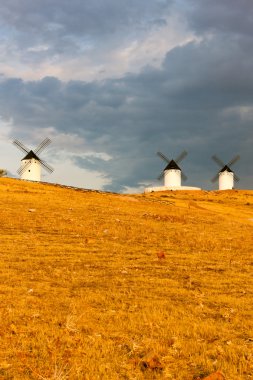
226,169
172,165
31,155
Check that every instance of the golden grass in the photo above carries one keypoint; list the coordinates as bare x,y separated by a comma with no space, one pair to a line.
85,296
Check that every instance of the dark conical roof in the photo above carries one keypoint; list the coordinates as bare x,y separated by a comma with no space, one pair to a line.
172,165
226,169
31,155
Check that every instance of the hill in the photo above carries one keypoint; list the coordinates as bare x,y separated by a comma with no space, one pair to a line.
106,286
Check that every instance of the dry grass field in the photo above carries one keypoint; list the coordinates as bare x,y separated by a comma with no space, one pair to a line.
107,286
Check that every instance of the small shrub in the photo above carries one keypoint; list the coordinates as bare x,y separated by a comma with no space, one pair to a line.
3,172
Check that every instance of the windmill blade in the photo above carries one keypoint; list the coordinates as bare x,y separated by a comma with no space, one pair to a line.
20,146
181,156
218,161
215,178
163,157
24,168
234,160
236,178
47,167
184,177
160,177
42,146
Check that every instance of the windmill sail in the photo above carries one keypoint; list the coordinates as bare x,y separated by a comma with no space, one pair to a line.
42,146
20,146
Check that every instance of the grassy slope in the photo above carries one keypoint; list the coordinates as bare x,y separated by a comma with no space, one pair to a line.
84,295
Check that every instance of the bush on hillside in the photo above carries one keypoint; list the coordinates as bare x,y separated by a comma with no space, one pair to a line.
3,172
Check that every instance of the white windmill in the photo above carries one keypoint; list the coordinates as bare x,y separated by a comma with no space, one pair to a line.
225,176
172,173
31,164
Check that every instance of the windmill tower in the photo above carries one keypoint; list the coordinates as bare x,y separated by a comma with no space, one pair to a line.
172,173
225,176
31,164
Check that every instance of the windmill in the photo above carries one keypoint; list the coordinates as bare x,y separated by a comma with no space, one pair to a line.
172,173
31,164
225,176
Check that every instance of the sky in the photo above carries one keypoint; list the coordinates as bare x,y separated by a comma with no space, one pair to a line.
111,82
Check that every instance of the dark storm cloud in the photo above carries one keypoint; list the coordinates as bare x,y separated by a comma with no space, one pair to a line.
220,16
51,28
79,17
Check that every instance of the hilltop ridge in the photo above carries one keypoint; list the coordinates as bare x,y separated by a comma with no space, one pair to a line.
100,285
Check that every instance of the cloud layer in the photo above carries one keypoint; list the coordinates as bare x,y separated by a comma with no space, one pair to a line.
196,96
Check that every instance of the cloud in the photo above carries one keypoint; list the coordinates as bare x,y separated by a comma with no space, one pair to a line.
66,172
83,40
196,96
82,17
220,16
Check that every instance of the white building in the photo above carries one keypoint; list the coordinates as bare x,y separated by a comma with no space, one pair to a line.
226,178
172,175
30,167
